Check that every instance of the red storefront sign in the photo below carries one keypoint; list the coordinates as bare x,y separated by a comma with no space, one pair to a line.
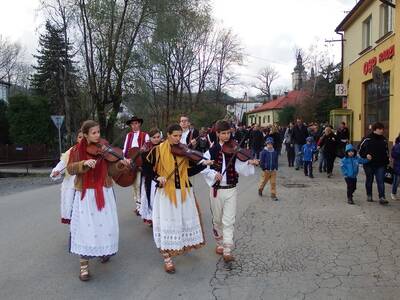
383,56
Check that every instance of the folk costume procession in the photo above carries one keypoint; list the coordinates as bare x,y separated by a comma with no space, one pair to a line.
165,197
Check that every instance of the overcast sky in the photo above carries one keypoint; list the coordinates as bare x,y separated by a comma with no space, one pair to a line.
269,30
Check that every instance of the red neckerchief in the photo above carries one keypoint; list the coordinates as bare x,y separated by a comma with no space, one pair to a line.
94,178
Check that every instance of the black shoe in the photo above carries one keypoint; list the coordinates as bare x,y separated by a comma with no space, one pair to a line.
320,170
350,201
305,174
311,176
330,175
369,199
259,192
383,201
297,168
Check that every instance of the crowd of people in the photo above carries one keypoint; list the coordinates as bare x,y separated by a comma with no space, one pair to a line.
163,195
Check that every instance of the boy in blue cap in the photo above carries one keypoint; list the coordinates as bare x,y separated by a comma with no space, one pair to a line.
269,165
349,166
308,150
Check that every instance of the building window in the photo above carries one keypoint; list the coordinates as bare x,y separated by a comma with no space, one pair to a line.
386,19
269,119
366,38
263,119
377,102
259,120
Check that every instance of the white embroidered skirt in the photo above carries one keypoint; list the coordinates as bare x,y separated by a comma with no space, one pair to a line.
94,232
145,210
176,227
67,197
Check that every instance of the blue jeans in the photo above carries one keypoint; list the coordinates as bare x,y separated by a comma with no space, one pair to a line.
297,152
322,162
379,173
395,184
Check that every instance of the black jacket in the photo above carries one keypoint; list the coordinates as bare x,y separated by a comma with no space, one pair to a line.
376,145
328,143
299,135
257,140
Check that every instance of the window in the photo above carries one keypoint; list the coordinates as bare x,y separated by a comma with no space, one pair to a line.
269,119
386,19
377,103
366,42
263,119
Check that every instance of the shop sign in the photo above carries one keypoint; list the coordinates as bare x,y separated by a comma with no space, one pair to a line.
340,90
383,56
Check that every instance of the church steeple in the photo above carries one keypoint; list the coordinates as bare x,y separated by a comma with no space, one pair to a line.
299,75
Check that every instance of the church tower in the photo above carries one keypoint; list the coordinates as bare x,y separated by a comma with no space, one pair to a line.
299,76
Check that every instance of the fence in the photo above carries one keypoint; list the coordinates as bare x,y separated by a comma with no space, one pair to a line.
11,153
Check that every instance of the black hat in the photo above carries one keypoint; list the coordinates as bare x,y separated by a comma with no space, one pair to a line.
133,119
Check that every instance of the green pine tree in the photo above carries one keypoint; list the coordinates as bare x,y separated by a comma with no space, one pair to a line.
52,60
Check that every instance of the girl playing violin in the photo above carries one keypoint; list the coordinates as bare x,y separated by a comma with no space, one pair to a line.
176,219
94,222
223,177
149,181
67,186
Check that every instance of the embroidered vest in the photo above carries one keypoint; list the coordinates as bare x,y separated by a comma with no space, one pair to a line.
141,141
232,177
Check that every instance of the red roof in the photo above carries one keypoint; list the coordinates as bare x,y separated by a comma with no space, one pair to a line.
291,99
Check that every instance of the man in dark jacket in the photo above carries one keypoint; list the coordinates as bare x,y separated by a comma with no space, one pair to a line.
257,141
375,144
299,135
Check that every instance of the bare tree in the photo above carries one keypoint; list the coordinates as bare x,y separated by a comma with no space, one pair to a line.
266,77
10,54
229,54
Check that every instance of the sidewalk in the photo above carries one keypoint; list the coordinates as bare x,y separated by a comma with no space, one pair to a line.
311,244
25,171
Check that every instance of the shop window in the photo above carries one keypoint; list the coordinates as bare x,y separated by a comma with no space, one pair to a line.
386,19
366,38
377,103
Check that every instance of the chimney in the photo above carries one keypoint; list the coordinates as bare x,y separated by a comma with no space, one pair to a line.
274,97
286,94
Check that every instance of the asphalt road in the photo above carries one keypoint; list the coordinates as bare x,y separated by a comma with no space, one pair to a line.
35,262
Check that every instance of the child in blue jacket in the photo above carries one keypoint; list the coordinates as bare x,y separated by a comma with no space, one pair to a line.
269,165
307,151
349,165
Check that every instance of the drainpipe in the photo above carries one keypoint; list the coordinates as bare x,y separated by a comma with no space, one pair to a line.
342,60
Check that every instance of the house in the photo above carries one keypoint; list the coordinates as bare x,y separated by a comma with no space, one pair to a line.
267,114
371,70
4,90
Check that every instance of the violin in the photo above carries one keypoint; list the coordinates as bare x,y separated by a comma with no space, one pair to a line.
232,147
102,150
185,151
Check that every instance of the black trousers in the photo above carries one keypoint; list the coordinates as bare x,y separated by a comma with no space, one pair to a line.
290,154
330,159
308,171
351,186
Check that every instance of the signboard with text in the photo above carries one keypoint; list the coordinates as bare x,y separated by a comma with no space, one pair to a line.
340,90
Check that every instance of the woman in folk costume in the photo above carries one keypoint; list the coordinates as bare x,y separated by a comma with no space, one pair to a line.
67,186
94,223
149,179
176,219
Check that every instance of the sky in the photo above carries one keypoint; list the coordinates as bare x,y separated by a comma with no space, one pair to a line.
269,31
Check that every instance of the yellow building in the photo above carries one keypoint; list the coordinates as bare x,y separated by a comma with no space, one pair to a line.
371,71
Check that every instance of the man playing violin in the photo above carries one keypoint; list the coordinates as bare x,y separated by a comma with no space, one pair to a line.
135,139
222,177
189,134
